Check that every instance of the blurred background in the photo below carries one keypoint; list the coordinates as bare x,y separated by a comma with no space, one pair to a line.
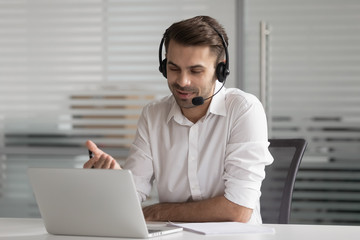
72,70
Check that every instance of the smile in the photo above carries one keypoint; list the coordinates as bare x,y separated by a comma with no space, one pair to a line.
184,94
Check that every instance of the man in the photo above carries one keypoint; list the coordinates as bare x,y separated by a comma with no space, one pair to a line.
206,146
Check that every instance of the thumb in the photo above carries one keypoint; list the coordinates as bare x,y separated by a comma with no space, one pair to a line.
92,146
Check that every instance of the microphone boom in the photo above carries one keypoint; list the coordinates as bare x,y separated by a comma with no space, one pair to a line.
197,101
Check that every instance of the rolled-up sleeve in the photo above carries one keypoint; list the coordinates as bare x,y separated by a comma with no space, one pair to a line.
247,155
139,160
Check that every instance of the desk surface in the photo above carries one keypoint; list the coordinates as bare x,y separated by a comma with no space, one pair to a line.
33,229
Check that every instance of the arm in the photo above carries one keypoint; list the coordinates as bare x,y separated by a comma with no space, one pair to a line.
213,209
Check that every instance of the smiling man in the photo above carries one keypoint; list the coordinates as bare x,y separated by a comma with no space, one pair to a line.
206,146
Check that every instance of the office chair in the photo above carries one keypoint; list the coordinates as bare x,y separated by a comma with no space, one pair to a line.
278,185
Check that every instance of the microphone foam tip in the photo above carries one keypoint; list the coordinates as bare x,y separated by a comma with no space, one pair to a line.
197,101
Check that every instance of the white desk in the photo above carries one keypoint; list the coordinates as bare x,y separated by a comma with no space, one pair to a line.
33,229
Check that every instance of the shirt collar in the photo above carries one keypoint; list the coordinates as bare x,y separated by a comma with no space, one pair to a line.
175,112
217,106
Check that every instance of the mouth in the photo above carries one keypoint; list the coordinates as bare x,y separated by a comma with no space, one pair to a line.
185,95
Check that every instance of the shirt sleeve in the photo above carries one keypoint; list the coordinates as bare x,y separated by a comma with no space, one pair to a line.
247,154
139,160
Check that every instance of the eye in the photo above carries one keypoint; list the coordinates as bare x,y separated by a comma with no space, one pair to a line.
196,71
173,69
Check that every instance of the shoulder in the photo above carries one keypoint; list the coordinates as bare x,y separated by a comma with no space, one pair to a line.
160,103
159,106
240,101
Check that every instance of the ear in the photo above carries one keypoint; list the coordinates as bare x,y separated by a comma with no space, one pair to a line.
221,72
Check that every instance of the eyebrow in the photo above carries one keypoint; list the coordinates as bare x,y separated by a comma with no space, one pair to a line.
194,66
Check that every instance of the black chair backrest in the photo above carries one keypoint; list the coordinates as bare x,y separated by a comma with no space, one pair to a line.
278,185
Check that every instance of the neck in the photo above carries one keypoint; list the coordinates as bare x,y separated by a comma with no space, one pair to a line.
196,113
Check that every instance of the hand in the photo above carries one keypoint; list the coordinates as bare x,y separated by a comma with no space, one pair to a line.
100,159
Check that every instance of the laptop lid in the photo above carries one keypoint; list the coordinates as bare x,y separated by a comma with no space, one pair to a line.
89,202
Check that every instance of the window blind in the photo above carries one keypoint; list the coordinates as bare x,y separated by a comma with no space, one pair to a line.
313,90
72,70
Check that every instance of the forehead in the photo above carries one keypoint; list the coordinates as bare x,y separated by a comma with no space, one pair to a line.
189,55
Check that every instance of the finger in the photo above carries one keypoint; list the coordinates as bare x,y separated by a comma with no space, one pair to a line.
97,163
92,147
113,165
107,162
100,162
89,163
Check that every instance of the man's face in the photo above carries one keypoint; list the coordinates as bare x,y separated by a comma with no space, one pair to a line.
190,72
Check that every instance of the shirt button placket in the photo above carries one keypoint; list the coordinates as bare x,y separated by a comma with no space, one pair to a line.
193,163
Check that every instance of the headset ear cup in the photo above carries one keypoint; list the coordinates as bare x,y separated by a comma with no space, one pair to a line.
163,68
221,72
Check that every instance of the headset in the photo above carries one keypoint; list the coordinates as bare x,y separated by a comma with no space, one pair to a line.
222,69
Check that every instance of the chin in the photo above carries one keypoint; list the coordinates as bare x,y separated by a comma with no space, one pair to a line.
184,103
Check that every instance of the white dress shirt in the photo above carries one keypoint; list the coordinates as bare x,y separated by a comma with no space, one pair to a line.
224,153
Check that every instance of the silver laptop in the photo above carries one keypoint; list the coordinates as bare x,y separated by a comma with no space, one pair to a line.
91,202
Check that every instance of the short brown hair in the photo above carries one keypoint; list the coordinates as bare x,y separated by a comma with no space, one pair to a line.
198,31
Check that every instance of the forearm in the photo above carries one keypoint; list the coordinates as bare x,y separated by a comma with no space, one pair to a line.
214,209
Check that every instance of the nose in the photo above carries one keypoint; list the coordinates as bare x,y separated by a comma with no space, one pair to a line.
183,80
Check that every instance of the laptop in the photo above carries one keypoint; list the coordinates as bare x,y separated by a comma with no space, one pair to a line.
91,202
